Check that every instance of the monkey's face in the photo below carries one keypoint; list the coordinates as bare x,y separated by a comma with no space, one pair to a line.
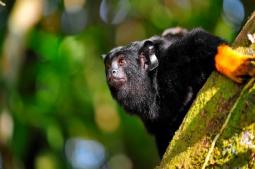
115,71
121,65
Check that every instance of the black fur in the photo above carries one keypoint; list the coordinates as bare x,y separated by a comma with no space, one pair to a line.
162,97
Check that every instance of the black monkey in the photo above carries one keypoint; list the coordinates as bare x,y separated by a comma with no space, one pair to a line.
158,78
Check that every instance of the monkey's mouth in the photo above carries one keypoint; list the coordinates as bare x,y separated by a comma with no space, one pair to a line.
116,82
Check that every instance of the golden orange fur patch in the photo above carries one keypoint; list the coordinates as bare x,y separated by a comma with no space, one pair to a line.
234,64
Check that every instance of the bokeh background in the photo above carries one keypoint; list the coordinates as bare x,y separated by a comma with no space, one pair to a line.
55,108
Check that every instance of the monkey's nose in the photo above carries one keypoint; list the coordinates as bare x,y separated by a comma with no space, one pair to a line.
114,71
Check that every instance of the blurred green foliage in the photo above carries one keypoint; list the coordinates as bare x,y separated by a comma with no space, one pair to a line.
59,92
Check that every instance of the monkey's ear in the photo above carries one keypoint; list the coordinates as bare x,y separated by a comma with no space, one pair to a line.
147,56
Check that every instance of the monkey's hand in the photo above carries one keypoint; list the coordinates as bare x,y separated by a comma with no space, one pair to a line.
233,64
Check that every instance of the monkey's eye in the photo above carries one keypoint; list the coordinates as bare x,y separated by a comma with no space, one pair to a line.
121,61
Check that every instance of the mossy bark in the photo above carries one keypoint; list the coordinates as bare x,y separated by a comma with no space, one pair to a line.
219,129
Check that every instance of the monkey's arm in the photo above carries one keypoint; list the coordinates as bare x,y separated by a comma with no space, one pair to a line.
233,64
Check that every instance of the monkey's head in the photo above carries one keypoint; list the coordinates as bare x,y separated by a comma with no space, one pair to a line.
139,56
129,62
129,72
